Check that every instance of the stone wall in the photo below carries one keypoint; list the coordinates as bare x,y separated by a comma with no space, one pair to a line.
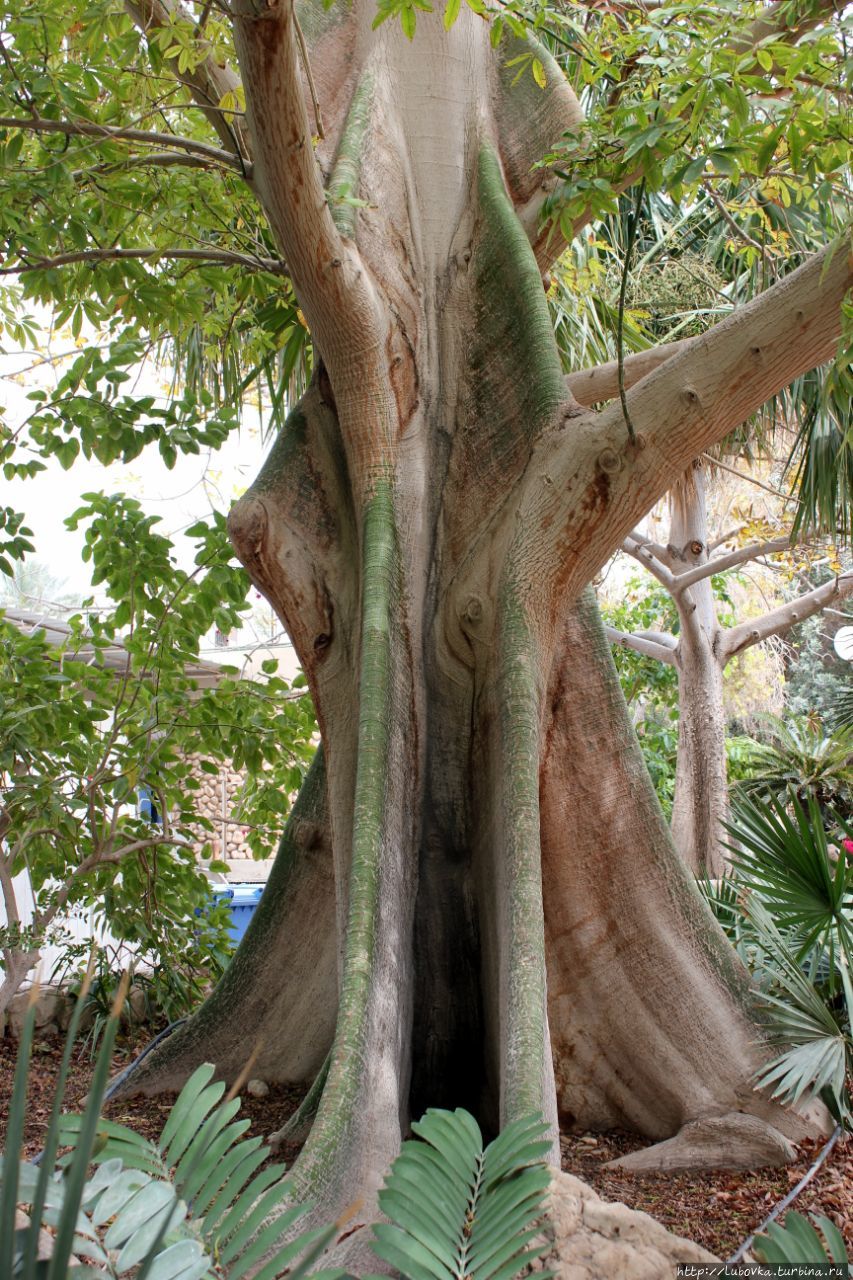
217,801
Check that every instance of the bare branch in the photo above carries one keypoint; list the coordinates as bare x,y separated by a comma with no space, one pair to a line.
113,133
641,644
220,257
601,382
730,561
743,475
778,621
726,537
309,75
149,160
662,553
643,552
730,222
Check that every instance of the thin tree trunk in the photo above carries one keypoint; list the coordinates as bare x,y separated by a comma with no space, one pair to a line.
700,805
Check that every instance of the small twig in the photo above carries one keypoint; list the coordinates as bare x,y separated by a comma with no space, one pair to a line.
620,319
107,133
729,220
306,64
789,1198
743,475
203,17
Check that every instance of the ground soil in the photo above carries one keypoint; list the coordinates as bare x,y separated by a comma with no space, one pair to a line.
718,1209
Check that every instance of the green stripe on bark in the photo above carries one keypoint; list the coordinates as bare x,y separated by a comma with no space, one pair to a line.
337,1112
346,174
524,958
515,351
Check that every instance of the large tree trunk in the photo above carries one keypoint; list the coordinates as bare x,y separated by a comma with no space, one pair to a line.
700,806
508,904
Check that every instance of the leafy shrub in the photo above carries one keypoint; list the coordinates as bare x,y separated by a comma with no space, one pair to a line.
798,754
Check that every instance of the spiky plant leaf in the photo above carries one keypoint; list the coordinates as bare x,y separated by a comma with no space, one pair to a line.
780,849
818,1051
457,1210
164,1210
799,1242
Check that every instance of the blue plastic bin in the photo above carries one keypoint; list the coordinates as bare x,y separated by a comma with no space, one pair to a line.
242,899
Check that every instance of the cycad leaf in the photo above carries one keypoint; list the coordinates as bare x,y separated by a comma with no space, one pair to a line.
185,1260
147,1203
458,1211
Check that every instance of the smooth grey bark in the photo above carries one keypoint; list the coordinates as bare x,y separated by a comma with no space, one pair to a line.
700,805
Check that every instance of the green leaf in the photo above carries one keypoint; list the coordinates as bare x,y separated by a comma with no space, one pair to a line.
451,13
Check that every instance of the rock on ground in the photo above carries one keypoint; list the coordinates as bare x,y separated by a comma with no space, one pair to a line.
593,1239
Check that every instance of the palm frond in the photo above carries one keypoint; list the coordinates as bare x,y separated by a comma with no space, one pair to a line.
781,851
844,710
818,1050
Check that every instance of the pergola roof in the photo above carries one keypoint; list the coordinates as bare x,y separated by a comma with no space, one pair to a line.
114,655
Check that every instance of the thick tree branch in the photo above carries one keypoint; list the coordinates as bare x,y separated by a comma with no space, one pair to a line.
778,621
116,133
587,486
150,160
601,382
216,257
288,173
346,314
641,644
730,561
208,82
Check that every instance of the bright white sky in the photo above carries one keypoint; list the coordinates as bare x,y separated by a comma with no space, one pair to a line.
181,496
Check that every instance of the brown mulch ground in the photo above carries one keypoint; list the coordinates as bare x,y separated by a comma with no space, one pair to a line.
718,1209
144,1115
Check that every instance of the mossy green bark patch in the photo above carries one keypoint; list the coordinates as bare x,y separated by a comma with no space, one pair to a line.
287,448
343,188
344,1092
513,383
524,955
